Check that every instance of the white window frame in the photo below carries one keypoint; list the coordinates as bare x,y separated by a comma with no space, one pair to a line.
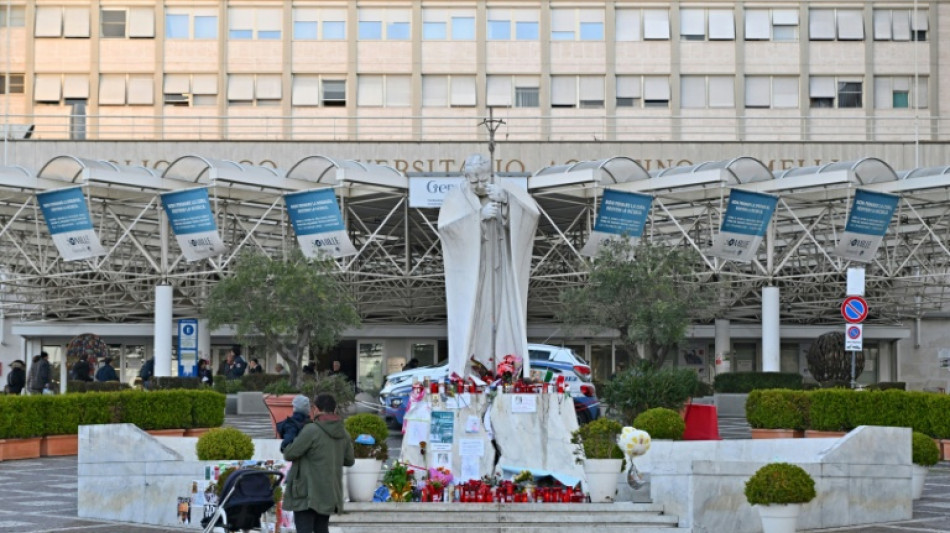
190,90
829,24
571,20
448,90
771,92
71,22
255,20
385,16
886,86
503,90
17,17
718,92
320,16
193,14
829,87
901,25
763,24
394,90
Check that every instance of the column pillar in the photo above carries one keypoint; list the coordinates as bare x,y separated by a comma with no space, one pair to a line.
771,337
204,341
163,330
723,345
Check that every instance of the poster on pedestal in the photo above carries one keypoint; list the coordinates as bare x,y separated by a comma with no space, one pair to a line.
70,226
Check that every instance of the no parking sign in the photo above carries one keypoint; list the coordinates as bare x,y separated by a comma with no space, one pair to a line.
853,338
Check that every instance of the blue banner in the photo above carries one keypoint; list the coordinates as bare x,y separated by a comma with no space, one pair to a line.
744,224
870,216
318,223
623,213
69,223
192,220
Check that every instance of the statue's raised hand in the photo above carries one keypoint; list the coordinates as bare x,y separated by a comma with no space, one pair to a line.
496,193
490,210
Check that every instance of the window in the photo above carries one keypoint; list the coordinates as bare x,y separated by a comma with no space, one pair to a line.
897,92
577,91
384,24
334,93
196,24
312,90
254,90
771,92
900,25
254,23
512,91
56,21
307,22
383,91
58,89
16,83
836,24
779,25
17,17
122,89
642,91
451,91
829,92
701,92
190,90
694,22
448,24
136,22
520,23
569,24
656,24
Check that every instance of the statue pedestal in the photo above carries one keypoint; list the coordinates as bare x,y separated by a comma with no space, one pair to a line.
531,431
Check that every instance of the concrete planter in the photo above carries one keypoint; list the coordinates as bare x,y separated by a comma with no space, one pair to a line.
12,449
918,474
779,518
56,445
945,449
166,432
818,434
602,478
196,432
730,405
761,433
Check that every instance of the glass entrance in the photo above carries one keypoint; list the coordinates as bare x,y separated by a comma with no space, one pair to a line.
369,376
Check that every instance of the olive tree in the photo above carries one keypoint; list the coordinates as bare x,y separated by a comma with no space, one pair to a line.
646,291
284,305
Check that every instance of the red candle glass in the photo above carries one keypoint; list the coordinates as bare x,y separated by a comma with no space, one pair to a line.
434,387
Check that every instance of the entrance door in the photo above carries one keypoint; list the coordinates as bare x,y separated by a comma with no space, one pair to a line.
369,366
601,362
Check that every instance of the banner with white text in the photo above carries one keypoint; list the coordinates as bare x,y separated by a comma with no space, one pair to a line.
747,217
192,221
620,214
318,223
69,223
868,220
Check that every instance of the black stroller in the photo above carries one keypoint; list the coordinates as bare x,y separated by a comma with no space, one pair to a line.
246,495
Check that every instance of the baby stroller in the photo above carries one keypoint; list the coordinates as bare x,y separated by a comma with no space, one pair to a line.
246,495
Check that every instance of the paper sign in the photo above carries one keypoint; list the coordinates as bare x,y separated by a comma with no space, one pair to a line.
442,427
472,425
416,431
474,447
524,403
442,459
470,464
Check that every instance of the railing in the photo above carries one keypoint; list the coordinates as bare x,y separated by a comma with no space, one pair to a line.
579,127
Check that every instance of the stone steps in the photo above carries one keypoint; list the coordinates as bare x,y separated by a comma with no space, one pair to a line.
504,518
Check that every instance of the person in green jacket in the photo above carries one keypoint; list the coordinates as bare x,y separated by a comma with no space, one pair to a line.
315,482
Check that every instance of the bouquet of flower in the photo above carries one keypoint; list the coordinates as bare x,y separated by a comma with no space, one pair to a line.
399,479
524,477
634,442
509,367
439,477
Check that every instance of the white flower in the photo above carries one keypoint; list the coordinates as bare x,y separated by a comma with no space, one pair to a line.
634,442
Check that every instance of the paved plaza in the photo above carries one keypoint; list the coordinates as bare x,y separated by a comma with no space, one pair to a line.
39,495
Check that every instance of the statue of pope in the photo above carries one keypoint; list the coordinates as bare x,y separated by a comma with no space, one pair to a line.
487,233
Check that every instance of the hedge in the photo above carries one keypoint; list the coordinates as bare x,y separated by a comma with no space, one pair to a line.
40,415
742,382
845,409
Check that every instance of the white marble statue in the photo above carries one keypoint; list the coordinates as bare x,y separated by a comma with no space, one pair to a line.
487,231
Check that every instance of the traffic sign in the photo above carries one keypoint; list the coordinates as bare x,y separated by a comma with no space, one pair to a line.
854,309
853,338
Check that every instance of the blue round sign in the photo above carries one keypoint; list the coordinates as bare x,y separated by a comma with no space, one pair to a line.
854,332
854,309
188,329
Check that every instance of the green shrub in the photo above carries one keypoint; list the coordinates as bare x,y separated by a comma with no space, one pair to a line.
60,414
661,423
777,409
337,385
779,483
879,408
924,450
742,382
207,409
258,382
227,386
887,385
368,424
829,409
169,409
99,408
281,386
938,405
598,439
225,444
95,386
174,382
21,417
703,389
644,387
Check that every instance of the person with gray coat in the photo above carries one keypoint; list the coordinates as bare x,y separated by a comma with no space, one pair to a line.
315,482
41,379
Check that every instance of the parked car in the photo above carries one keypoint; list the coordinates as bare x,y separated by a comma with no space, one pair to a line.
394,397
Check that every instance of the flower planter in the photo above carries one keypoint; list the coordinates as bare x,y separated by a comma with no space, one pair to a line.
56,445
362,479
11,449
761,433
279,407
918,476
779,518
817,434
196,432
945,449
166,432
602,475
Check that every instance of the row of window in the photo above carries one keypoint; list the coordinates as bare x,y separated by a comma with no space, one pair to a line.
458,24
632,91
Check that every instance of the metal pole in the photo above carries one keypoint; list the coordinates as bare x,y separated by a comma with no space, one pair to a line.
6,84
853,357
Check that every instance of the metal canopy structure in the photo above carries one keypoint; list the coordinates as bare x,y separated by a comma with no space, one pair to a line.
396,275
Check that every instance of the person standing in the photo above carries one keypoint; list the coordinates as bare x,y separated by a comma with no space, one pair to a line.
16,379
204,372
236,365
81,370
280,370
41,379
254,367
106,372
146,372
315,481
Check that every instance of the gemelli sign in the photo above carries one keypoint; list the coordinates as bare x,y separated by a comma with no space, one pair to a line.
69,223
318,223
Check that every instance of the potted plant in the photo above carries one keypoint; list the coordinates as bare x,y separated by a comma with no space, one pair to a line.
20,435
369,433
228,444
661,423
777,414
924,454
602,458
778,491
278,396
